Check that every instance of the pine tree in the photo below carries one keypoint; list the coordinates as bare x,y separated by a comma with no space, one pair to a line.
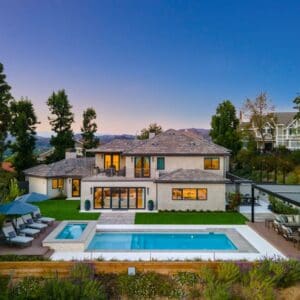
61,122
5,98
89,128
23,128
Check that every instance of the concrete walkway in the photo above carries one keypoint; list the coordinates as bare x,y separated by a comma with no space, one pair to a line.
261,211
117,218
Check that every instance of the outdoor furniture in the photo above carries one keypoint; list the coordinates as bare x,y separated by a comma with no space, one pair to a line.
289,234
35,225
12,237
269,222
22,228
32,197
37,216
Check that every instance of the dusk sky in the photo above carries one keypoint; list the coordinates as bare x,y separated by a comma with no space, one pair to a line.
137,62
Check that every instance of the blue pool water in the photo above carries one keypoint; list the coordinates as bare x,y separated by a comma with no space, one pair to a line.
71,232
160,241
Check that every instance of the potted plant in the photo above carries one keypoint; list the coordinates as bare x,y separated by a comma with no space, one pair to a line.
150,205
87,204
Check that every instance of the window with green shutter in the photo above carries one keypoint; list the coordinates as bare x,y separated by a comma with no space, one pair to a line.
160,163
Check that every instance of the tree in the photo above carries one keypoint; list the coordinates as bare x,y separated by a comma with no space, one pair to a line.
61,122
153,128
23,128
297,106
5,98
260,112
224,127
89,128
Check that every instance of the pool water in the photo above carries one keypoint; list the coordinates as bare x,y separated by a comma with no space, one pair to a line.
71,232
160,241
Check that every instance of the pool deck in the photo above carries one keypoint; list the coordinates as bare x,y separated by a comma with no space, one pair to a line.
36,248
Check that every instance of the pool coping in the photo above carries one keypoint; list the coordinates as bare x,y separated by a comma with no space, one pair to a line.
263,248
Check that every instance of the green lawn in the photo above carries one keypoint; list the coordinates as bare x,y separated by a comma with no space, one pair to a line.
64,210
190,218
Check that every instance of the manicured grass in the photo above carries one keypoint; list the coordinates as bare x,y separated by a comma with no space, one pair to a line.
190,218
61,210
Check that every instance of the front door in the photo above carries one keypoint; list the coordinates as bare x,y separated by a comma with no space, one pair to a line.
75,187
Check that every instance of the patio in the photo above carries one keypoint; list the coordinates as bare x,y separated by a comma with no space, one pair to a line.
35,249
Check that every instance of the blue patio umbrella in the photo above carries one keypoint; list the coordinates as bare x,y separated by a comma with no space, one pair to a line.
32,197
17,208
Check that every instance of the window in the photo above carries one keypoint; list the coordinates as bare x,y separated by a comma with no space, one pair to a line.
211,163
112,161
142,166
160,163
189,194
57,183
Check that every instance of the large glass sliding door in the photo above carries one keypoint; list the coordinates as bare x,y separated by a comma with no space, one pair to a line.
112,161
119,198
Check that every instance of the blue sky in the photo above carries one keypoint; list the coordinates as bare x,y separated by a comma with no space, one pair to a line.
138,62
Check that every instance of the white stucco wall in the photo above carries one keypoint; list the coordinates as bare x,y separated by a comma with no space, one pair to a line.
37,185
52,193
215,197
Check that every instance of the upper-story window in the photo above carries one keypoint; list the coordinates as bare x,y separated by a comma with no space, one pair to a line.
160,163
211,163
112,161
142,166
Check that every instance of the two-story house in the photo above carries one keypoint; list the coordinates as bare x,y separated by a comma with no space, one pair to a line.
178,170
284,130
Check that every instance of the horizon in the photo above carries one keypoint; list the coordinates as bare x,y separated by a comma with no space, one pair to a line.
137,63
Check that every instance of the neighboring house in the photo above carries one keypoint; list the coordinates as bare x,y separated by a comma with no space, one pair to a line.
77,151
178,170
62,178
283,131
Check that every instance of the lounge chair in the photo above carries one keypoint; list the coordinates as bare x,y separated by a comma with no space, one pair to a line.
31,224
289,234
21,227
11,237
37,216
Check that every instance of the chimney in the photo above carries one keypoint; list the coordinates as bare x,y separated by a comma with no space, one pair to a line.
151,135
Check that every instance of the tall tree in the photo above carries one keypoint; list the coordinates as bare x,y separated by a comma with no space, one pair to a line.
5,98
260,112
153,128
224,127
89,128
297,107
23,128
61,122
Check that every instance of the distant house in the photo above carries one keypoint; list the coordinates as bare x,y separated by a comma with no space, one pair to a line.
77,151
284,130
177,170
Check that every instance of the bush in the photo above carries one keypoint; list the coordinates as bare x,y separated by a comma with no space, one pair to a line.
234,200
279,207
13,257
28,288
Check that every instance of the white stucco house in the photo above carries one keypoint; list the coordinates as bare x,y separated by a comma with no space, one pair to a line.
177,170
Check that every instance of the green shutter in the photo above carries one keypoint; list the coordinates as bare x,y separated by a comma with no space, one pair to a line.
160,163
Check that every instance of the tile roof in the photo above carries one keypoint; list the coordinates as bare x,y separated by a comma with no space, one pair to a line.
191,175
174,142
72,167
117,145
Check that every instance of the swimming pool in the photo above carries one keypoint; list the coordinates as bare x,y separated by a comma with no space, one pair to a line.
160,241
71,231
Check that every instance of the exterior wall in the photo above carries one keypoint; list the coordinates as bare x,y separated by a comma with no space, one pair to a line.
177,162
215,197
52,193
87,189
37,185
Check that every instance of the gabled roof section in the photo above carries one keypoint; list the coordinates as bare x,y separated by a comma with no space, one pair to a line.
284,117
191,176
173,142
117,145
72,167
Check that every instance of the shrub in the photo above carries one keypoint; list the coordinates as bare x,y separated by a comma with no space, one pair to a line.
279,207
82,272
228,273
234,200
13,257
30,288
